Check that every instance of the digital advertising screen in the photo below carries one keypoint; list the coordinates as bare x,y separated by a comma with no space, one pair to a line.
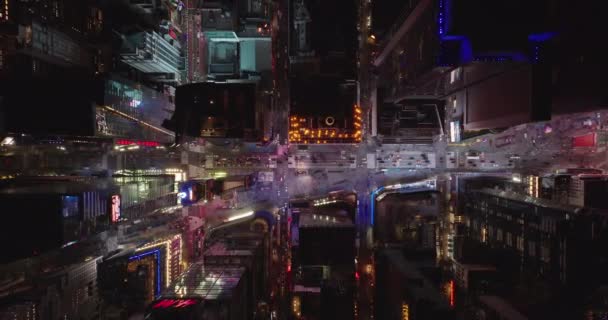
115,208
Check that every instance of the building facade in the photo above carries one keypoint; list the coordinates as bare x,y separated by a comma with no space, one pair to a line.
150,52
533,243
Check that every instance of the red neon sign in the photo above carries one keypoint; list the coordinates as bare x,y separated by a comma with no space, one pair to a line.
127,142
173,303
451,293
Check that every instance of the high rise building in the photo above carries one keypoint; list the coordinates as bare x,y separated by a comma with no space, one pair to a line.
520,234
133,278
218,110
131,110
67,212
331,115
149,52
490,70
588,191
68,291
322,38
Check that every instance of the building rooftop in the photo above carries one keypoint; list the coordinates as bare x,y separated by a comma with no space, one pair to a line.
502,307
222,249
421,288
205,282
320,221
55,186
514,196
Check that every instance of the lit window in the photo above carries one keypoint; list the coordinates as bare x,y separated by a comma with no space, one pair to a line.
454,75
520,243
531,248
405,311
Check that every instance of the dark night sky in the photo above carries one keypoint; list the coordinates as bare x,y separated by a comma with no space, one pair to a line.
497,25
384,14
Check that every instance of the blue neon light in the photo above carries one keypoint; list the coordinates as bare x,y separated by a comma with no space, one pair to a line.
537,39
504,56
156,254
541,37
372,204
466,50
441,18
371,207
453,38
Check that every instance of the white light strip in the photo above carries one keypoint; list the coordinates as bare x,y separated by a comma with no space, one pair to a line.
240,216
122,114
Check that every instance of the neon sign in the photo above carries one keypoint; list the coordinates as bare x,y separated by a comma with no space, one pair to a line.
157,258
127,142
115,208
134,103
173,303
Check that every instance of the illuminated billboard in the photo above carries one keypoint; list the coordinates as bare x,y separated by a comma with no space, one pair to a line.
69,206
115,208
174,303
597,139
168,257
191,192
455,129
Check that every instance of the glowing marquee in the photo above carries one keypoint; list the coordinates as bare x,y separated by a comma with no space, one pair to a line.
174,303
300,133
173,247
